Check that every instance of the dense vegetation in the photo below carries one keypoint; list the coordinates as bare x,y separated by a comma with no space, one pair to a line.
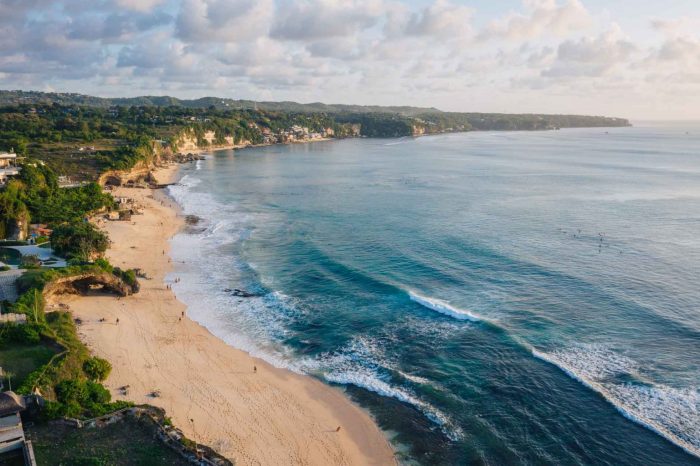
83,135
34,196
97,369
38,188
81,241
35,97
71,379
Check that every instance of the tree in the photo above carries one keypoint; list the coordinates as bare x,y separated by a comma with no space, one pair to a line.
19,145
80,241
68,391
97,369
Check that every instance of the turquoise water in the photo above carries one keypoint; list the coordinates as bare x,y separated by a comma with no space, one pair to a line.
497,298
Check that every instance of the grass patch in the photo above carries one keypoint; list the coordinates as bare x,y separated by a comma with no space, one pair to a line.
22,360
59,327
129,442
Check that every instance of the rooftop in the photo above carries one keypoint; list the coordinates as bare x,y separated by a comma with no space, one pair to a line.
10,403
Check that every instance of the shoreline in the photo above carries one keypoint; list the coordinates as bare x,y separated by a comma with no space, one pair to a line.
243,407
203,150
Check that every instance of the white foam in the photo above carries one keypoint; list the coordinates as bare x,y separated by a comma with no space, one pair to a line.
673,413
257,324
252,324
444,307
401,140
363,364
416,379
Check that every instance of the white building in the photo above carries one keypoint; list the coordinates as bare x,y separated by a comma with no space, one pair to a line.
8,166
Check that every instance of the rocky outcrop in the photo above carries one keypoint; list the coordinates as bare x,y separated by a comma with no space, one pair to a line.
188,157
187,141
418,130
17,229
85,282
140,173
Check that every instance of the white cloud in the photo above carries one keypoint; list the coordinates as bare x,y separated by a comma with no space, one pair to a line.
223,20
677,27
591,56
342,48
542,17
371,51
139,5
681,49
441,19
318,19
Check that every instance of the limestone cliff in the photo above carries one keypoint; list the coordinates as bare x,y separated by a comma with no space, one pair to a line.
141,171
188,140
82,283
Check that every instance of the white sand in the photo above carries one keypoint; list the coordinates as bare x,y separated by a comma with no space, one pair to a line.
272,417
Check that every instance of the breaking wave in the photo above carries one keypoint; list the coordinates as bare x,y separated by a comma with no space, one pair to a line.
361,363
257,324
673,413
444,307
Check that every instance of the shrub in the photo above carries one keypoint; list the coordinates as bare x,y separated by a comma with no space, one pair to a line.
30,261
70,409
129,277
71,391
97,369
104,265
25,334
30,302
78,241
51,410
28,334
96,393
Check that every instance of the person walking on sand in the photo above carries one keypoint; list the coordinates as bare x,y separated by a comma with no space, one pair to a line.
338,429
255,369
117,320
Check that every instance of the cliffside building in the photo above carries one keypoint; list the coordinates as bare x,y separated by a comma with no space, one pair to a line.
8,166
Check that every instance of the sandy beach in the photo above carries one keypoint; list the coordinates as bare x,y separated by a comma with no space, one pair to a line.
204,150
210,390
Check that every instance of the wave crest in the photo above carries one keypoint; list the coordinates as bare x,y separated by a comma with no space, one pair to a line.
444,307
673,413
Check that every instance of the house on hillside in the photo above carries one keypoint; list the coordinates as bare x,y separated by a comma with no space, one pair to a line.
8,166
38,230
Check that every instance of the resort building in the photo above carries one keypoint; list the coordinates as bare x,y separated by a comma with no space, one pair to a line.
8,166
39,229
12,440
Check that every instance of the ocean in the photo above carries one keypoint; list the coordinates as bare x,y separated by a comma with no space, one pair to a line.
490,297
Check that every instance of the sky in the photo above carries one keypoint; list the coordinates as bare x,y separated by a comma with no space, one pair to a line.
633,59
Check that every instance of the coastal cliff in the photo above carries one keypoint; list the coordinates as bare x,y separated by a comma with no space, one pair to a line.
190,140
81,283
141,172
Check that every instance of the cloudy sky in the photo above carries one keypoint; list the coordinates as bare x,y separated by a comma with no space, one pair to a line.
629,58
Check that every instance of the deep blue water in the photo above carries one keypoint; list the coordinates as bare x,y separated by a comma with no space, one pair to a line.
500,298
